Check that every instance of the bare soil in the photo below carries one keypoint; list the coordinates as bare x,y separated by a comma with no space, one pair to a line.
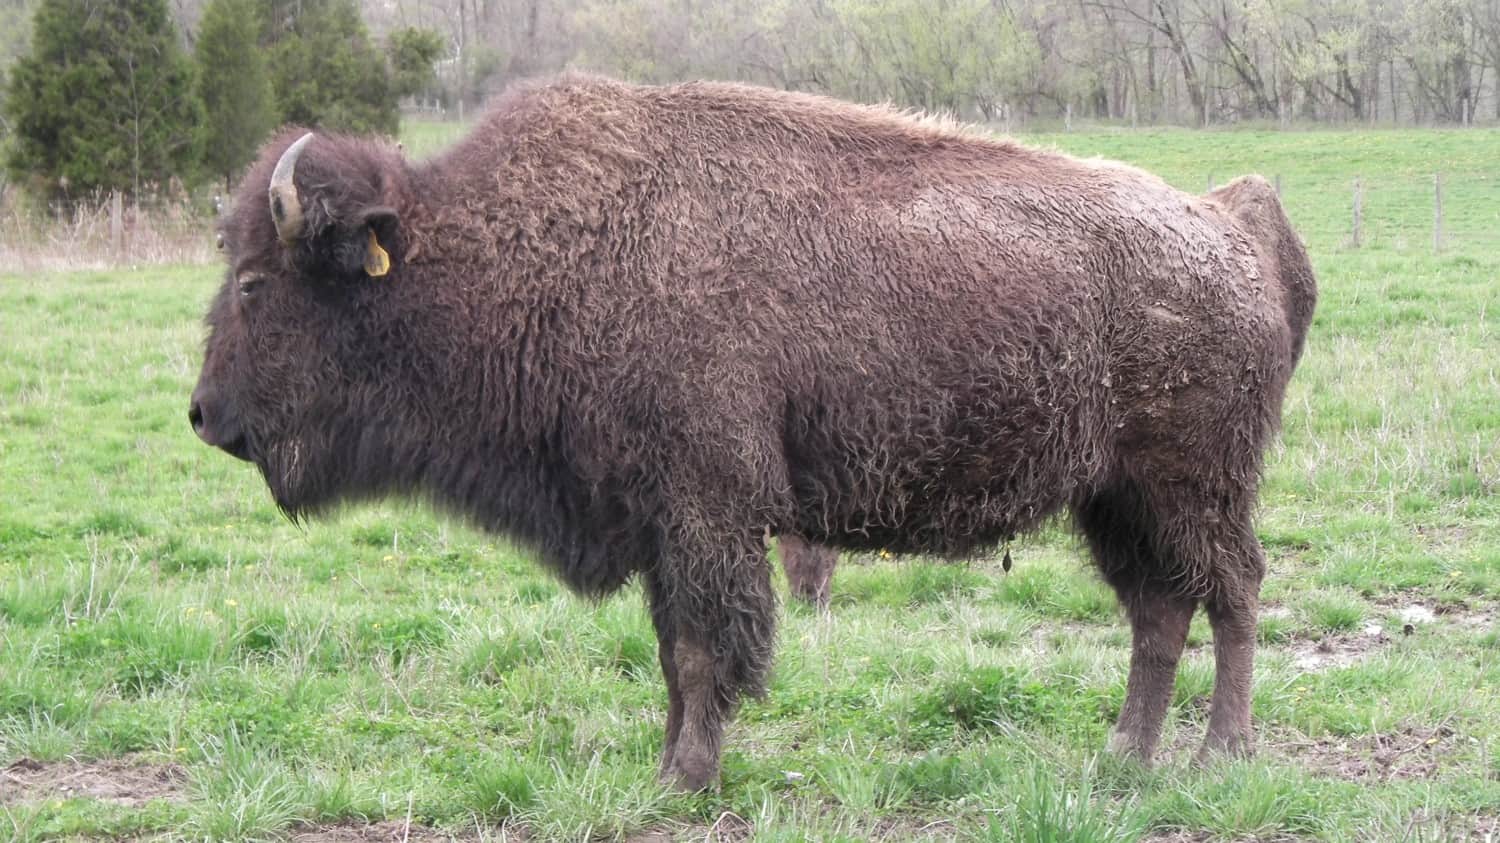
1468,615
1208,836
397,831
728,828
120,781
1344,649
1333,651
731,828
1412,752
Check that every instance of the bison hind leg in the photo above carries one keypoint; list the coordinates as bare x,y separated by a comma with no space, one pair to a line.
809,568
1233,610
1163,560
1121,535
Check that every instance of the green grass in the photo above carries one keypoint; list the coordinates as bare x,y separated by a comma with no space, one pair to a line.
154,606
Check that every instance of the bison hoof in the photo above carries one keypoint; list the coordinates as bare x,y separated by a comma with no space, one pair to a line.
1223,747
1131,748
812,598
685,776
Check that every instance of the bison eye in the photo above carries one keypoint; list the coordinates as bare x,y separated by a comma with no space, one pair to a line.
249,283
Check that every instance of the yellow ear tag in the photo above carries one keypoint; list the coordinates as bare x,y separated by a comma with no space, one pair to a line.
377,262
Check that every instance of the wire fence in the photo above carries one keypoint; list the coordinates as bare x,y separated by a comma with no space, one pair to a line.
102,232
1431,213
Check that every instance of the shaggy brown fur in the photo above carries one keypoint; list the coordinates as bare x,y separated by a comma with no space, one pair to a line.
639,327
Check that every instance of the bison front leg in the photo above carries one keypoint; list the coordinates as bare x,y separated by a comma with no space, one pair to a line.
714,620
665,651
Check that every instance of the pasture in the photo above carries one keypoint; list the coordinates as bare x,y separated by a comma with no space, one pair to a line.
177,661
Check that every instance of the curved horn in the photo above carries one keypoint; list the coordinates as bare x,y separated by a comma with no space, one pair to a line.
286,208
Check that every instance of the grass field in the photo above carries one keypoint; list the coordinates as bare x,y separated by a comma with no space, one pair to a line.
177,661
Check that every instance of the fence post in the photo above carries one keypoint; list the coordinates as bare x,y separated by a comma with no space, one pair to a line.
1358,202
116,224
1277,184
1210,183
1068,119
1437,212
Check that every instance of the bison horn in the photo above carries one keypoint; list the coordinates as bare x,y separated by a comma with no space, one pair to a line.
286,208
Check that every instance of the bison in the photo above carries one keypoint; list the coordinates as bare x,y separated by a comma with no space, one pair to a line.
641,329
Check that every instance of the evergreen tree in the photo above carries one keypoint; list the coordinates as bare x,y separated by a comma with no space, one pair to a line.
325,70
412,52
104,101
234,84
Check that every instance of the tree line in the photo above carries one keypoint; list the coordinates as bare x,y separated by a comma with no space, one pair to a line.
109,98
1190,62
108,85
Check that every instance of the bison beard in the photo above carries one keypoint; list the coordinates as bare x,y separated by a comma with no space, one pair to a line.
639,328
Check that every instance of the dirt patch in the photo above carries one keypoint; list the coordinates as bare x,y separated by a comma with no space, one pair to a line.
1412,752
910,828
728,828
731,828
1275,610
1480,618
117,781
1332,651
1471,828
1462,615
1206,836
1411,616
397,831
1443,537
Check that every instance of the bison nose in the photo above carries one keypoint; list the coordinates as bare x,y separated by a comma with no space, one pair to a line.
195,417
217,427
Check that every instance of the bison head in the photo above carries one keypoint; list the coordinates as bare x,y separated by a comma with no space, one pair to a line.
298,368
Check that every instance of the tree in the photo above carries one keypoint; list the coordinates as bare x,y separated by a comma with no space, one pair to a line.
325,70
104,101
14,33
413,52
234,84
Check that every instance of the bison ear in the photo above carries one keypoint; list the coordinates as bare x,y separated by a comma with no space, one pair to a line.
382,225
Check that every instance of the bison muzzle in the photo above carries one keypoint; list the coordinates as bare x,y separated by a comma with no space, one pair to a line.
640,328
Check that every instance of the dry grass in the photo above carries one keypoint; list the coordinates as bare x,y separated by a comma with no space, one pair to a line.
80,235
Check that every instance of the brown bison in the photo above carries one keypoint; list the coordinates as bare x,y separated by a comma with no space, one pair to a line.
641,328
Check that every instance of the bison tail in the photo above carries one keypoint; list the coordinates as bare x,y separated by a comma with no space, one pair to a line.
1253,201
